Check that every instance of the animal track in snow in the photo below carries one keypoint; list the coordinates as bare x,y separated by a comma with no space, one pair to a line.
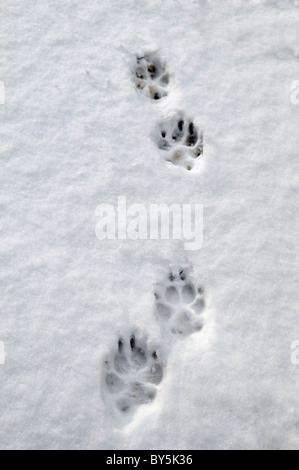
131,375
150,76
179,141
180,304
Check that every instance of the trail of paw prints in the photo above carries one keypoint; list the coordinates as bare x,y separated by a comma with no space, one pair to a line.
151,77
132,373
179,141
180,303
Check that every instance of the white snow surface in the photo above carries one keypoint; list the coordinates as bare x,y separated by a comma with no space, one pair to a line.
75,133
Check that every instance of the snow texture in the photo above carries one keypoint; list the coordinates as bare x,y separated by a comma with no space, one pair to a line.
80,126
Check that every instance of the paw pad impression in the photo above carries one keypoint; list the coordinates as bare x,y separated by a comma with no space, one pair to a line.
180,304
150,76
179,141
131,375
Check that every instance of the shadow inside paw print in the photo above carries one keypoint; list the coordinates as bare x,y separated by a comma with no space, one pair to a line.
180,141
131,375
150,76
180,304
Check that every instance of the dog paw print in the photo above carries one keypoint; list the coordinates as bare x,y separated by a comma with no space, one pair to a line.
151,77
179,141
132,373
180,304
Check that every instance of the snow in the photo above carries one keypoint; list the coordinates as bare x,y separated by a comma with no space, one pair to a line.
76,133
